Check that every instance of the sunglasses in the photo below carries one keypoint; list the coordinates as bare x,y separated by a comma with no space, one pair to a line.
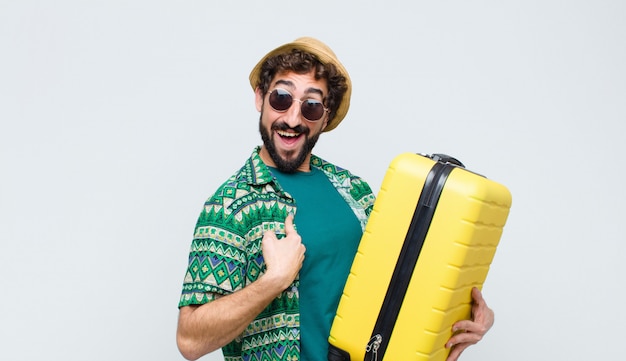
280,100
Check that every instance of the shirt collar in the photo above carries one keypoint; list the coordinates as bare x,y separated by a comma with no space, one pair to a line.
255,171
258,174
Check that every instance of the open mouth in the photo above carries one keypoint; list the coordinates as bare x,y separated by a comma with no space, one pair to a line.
288,137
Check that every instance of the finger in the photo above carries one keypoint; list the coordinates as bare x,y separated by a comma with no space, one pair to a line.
466,337
289,227
456,352
477,296
269,234
479,326
463,326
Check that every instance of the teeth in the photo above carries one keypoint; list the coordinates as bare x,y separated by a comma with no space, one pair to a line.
286,134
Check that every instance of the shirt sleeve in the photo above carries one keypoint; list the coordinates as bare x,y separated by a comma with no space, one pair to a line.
217,257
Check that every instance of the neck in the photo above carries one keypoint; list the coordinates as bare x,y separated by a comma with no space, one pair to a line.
267,159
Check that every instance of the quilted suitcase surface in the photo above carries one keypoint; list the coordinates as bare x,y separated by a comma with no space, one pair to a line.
431,237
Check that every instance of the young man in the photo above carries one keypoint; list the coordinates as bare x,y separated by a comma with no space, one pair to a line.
249,289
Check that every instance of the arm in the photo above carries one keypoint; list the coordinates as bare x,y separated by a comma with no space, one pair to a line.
205,328
469,332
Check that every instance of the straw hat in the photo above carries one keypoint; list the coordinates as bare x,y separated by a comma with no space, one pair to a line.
325,55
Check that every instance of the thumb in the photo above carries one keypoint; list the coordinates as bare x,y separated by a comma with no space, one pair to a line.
477,296
289,227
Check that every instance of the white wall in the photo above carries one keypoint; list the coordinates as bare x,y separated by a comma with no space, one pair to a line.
118,119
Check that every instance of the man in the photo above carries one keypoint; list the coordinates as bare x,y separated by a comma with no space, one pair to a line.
249,289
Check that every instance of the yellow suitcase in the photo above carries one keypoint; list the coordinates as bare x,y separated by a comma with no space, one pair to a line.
431,237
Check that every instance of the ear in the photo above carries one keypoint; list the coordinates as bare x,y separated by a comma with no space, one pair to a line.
258,99
326,120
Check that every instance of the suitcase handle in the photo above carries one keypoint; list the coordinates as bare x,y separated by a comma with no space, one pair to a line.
444,158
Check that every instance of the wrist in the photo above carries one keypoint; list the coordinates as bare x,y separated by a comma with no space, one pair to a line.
274,283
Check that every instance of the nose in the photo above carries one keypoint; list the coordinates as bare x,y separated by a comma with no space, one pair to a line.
293,116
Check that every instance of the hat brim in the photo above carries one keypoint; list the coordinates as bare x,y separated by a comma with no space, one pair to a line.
325,56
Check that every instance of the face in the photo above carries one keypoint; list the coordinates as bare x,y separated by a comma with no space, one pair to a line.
288,137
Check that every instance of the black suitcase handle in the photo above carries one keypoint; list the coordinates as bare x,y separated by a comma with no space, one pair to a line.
444,158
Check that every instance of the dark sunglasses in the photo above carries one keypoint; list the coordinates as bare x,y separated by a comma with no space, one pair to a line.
281,100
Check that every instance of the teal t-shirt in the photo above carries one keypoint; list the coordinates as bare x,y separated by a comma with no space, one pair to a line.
331,233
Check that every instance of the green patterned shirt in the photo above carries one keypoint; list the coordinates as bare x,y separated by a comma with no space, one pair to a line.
226,255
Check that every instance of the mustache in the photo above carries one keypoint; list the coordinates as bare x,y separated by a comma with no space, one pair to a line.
298,128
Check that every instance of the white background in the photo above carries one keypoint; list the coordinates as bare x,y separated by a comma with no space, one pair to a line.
119,118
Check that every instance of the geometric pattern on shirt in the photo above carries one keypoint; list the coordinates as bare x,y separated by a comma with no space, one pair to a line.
225,254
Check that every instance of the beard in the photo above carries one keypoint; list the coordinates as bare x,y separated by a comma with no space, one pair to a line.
287,165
